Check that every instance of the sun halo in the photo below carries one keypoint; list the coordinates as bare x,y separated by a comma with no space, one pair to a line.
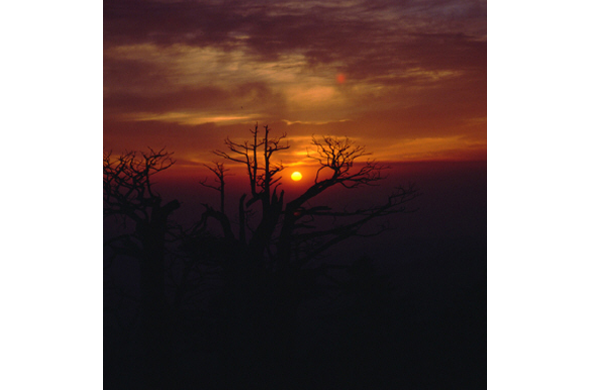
296,176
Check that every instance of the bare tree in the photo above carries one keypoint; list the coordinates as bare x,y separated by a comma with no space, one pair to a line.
339,164
263,182
257,277
220,173
269,273
128,194
287,235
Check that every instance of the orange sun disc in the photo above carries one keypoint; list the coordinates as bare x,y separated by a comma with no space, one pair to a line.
296,176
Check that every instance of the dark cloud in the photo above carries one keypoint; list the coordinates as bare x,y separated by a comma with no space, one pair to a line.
133,74
413,67
198,99
370,36
140,21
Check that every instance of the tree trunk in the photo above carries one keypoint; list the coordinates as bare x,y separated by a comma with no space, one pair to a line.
153,304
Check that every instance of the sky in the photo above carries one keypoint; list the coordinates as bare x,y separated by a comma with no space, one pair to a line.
407,79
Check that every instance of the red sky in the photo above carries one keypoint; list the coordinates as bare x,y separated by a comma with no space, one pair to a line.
405,78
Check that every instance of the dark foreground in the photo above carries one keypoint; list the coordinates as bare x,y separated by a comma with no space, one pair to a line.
404,310
419,322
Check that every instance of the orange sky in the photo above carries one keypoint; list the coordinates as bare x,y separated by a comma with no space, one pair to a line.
406,79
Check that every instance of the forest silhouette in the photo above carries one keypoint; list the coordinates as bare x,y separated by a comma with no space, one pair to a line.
256,299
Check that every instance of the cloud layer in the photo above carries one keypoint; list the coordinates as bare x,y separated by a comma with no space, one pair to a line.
389,72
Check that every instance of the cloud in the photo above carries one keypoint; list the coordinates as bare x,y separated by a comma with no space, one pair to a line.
410,69
398,32
208,99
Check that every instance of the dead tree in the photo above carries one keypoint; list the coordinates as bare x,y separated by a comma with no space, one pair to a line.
263,182
339,165
128,195
283,228
220,172
287,236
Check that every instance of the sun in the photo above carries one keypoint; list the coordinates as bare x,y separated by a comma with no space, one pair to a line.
296,176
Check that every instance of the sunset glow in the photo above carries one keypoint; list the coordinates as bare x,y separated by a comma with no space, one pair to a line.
296,176
381,74
294,192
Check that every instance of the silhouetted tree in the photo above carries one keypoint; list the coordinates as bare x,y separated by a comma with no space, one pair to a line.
220,172
128,195
256,279
283,228
268,273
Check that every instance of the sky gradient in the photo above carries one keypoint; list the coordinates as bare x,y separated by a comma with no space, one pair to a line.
405,78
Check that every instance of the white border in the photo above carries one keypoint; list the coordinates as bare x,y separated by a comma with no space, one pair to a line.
51,268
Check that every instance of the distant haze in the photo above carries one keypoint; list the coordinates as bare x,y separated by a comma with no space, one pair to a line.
452,204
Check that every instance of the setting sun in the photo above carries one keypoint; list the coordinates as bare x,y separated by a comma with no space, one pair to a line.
296,176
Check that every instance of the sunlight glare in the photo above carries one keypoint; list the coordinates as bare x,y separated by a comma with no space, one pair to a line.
296,176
